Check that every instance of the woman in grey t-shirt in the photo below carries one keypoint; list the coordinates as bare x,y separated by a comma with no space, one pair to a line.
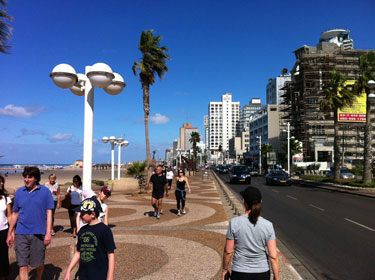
248,237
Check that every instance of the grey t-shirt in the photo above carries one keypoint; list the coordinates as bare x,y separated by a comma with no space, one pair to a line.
250,254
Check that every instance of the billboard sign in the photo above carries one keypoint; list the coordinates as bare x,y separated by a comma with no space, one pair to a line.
356,112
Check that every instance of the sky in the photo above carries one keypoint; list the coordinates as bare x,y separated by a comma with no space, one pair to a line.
215,47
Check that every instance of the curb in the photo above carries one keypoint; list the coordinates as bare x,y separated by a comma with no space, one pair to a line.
339,188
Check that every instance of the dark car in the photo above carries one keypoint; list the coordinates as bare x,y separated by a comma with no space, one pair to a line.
253,172
278,177
239,174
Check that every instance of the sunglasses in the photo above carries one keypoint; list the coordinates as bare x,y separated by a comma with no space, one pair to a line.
83,213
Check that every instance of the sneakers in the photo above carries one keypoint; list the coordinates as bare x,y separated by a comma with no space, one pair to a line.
178,213
183,211
158,216
155,213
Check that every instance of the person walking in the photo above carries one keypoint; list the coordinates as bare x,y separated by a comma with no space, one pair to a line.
32,212
181,183
5,217
54,188
95,246
75,192
170,176
248,237
104,194
158,182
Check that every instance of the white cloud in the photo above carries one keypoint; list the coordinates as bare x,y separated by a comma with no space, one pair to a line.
20,112
26,131
159,119
60,137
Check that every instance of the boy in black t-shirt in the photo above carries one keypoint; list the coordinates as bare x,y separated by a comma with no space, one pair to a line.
95,247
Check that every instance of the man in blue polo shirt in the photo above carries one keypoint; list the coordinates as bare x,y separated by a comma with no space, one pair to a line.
32,212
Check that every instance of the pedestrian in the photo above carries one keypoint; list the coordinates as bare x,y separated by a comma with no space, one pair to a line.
181,183
95,246
32,212
170,176
248,237
104,194
158,182
75,192
5,217
54,187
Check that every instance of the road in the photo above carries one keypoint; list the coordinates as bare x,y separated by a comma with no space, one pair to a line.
331,233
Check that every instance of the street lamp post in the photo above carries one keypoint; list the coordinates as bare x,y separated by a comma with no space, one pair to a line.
120,143
99,75
288,139
367,140
260,154
111,140
178,158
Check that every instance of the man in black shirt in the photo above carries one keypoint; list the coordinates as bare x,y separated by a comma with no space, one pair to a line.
159,184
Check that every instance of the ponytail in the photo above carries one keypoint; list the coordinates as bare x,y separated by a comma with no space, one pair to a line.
256,209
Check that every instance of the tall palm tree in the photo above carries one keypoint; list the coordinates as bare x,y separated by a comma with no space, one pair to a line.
5,29
265,149
336,96
367,66
194,139
153,62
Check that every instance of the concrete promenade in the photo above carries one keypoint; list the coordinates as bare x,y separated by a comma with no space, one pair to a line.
185,247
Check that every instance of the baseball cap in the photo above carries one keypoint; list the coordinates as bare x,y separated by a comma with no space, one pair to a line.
90,204
106,190
251,195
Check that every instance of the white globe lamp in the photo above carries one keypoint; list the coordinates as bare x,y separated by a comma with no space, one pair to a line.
63,75
100,75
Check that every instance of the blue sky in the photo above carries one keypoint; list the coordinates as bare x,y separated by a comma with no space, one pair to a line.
216,47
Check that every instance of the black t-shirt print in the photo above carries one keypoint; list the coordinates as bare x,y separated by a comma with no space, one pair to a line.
158,183
94,243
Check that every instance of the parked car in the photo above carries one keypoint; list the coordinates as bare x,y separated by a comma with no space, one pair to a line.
239,174
344,174
278,177
218,168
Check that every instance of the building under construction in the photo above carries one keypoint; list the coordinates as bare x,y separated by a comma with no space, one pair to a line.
314,128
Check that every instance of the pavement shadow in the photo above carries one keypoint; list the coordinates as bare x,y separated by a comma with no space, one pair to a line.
111,225
149,213
173,211
51,272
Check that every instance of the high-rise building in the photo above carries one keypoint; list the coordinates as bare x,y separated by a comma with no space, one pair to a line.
206,130
274,89
185,135
247,110
304,93
223,118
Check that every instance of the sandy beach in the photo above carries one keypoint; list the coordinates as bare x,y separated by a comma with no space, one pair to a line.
15,180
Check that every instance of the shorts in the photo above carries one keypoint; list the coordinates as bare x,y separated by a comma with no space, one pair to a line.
30,249
158,195
250,276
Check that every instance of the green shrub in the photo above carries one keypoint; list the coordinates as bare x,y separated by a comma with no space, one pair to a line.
98,182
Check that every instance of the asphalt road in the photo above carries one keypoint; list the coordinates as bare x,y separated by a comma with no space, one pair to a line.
331,233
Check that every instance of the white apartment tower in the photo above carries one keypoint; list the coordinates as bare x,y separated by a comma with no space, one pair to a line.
206,130
223,118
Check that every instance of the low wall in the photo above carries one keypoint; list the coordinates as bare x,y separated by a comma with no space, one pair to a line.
128,185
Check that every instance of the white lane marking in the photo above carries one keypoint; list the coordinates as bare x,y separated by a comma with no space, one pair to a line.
358,224
275,191
292,197
316,207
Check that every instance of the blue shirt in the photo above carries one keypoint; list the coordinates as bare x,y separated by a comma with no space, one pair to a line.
32,209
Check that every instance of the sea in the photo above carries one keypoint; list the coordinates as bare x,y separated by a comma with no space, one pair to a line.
18,168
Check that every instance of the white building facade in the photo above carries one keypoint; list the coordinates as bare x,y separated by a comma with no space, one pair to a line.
223,122
274,91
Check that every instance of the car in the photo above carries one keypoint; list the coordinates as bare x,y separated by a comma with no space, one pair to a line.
344,174
239,174
278,177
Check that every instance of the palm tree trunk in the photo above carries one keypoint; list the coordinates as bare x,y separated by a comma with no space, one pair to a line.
146,109
367,153
336,148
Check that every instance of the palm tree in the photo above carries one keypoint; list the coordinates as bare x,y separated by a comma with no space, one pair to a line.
367,66
153,62
336,96
5,29
194,139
